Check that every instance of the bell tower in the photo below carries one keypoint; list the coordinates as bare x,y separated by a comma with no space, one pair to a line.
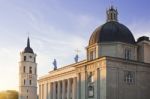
27,73
112,14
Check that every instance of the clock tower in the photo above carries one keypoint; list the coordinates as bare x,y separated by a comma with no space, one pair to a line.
27,73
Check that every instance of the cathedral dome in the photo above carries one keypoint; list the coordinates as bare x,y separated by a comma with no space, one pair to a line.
28,49
112,31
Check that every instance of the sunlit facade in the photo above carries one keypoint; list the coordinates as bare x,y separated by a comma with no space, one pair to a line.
116,67
27,74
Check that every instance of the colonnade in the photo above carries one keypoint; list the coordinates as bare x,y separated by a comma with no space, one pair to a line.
62,89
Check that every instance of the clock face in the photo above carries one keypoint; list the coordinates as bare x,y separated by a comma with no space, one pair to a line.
30,56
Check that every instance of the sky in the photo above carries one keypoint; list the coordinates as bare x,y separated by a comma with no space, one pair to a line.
57,28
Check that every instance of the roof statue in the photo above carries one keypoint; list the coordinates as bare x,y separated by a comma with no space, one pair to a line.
76,58
55,64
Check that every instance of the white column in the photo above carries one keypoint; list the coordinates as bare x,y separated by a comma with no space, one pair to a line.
51,92
54,90
74,88
63,89
58,90
79,86
40,92
83,84
46,90
95,84
98,83
68,88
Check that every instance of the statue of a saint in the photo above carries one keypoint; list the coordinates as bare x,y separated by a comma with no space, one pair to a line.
55,64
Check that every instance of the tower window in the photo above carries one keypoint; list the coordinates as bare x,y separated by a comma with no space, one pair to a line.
24,58
24,69
27,97
30,70
24,81
30,82
34,59
30,56
35,70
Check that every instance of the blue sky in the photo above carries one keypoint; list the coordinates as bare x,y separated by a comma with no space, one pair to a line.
57,28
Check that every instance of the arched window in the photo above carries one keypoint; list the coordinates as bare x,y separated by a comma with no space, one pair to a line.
30,56
91,55
35,70
24,58
24,69
30,82
34,59
90,91
30,70
24,81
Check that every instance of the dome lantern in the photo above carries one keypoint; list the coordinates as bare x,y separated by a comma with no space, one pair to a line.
112,14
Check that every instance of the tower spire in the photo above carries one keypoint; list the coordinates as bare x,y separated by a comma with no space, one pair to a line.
28,49
28,42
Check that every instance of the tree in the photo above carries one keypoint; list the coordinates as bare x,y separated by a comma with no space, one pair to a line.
3,95
9,94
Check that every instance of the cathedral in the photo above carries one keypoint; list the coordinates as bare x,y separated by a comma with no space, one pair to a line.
116,67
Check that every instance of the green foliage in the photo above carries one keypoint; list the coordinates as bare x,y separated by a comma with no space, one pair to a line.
9,94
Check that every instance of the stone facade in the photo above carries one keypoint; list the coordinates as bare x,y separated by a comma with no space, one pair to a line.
109,80
115,68
27,76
